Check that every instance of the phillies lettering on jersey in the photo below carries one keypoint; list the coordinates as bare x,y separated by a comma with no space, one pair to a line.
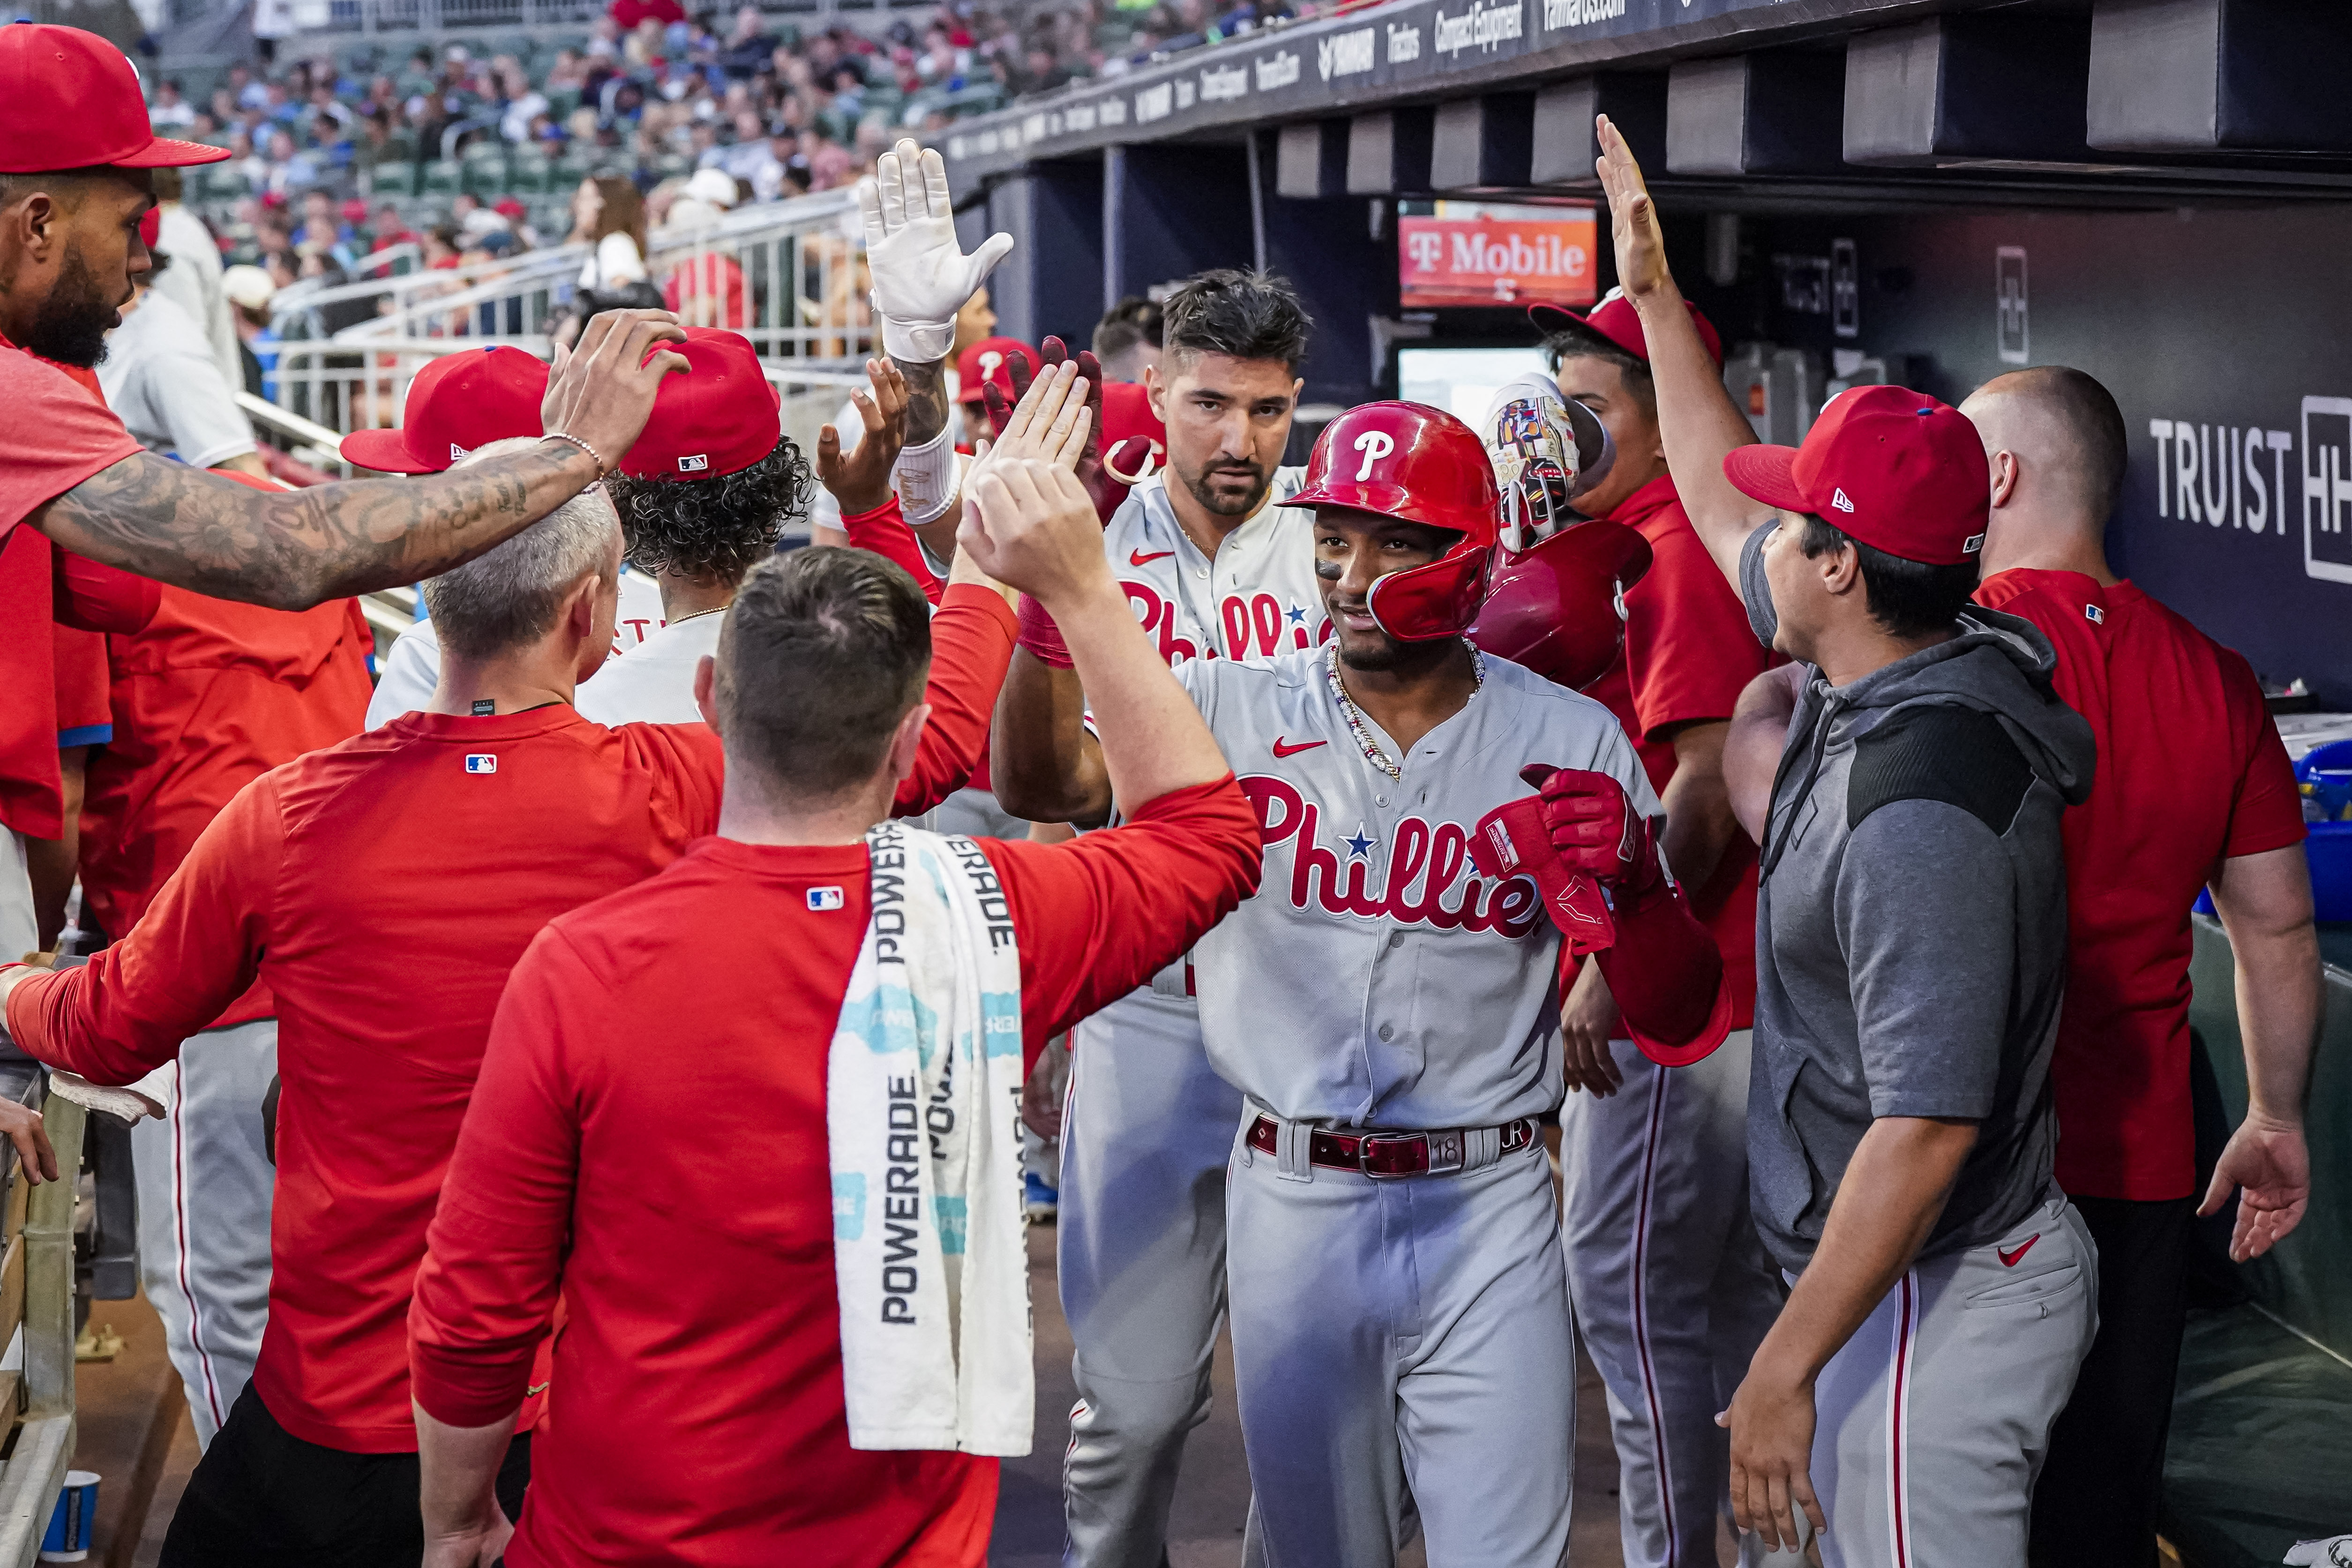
1375,979
1419,879
1257,600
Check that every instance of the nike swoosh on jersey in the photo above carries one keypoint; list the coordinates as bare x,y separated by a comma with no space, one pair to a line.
1285,749
2009,1259
1143,558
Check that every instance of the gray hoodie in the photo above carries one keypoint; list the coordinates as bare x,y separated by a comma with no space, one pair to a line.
1911,924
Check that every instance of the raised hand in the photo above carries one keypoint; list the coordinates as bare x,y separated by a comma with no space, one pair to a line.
603,391
1029,524
1052,423
1632,215
1102,478
921,275
861,481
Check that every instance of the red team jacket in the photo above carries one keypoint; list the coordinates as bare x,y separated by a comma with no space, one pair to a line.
382,889
647,1140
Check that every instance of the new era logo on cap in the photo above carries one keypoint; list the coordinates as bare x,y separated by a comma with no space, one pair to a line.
695,463
1839,501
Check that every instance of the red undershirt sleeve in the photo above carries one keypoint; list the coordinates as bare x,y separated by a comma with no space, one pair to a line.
883,531
971,645
487,1291
1101,914
197,949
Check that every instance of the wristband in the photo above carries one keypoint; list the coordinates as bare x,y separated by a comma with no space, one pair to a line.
913,343
559,436
926,478
1041,636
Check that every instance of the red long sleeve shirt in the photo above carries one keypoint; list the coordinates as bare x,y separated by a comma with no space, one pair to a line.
648,1139
210,695
384,888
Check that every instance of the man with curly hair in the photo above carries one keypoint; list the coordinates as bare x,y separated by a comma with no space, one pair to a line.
702,496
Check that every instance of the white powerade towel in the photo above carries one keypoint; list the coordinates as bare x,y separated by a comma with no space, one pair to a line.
922,1109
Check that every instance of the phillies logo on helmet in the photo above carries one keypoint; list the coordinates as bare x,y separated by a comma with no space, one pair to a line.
1422,881
1374,445
988,363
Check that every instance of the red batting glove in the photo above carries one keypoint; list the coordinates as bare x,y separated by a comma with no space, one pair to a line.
1104,486
1595,829
1515,840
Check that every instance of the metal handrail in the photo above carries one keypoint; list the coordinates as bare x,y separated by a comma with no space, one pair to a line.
786,275
36,1470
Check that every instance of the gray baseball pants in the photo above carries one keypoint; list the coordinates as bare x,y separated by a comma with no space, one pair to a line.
1145,1135
1672,1290
1932,1419
1403,1338
20,933
204,1185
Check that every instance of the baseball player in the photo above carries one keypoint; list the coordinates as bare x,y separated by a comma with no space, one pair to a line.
457,403
1218,566
1904,777
1673,1290
702,496
1388,1004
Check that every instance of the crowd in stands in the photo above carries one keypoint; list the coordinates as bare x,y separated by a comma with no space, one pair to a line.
341,153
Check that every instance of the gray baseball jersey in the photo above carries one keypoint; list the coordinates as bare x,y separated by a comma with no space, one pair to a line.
1375,979
1149,1125
1257,599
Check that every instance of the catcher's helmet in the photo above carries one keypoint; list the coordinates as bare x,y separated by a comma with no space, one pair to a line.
1559,607
1418,464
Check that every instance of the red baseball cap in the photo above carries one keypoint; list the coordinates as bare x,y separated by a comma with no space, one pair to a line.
151,226
985,362
456,404
1891,468
1615,321
719,416
69,99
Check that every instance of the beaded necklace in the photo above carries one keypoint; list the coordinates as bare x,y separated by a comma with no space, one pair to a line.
1355,717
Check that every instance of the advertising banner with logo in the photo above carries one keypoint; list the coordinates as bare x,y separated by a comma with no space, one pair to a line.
1477,253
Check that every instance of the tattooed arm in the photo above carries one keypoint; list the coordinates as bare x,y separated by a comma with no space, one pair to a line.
294,549
927,413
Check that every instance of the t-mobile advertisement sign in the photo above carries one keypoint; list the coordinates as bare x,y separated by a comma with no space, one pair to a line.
1474,253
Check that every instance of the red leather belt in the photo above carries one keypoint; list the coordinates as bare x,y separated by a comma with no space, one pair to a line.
1386,1156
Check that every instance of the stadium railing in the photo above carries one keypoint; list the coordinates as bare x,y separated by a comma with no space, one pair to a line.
788,275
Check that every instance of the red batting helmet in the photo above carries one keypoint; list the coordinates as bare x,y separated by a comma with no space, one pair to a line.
1134,441
1559,607
1418,464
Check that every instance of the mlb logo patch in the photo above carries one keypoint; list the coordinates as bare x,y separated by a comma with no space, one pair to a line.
2095,616
694,463
823,899
1972,543
481,763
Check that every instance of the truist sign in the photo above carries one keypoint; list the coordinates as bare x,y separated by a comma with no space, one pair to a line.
2257,481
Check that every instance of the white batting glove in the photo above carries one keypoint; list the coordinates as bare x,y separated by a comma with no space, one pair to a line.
921,275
